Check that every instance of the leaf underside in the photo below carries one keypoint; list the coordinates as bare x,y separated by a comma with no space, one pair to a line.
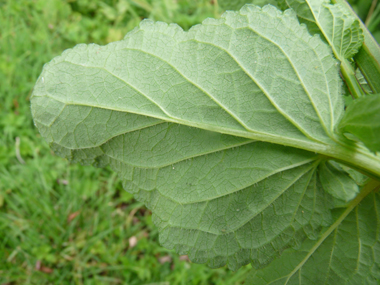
332,22
339,27
209,128
349,255
337,182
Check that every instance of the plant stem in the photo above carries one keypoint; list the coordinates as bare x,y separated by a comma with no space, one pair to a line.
350,79
368,58
347,70
361,161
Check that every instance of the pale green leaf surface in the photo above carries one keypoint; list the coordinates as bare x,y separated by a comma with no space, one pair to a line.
337,182
210,206
349,255
332,22
339,27
236,5
178,115
302,9
299,6
362,119
275,94
304,14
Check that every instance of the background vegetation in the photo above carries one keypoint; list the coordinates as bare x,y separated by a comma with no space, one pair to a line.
68,224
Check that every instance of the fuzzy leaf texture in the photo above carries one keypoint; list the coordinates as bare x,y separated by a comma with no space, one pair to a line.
299,6
362,119
218,130
332,22
345,254
340,29
236,5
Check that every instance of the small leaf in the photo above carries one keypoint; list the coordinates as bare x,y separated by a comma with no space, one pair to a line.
340,28
337,182
362,119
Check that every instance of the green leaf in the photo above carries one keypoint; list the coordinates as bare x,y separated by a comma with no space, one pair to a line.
368,57
339,27
299,6
223,208
210,193
218,130
346,253
305,16
333,22
189,80
358,177
236,5
337,182
362,119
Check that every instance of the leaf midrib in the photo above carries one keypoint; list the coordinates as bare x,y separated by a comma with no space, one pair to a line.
101,143
351,155
278,170
223,107
270,138
182,159
302,83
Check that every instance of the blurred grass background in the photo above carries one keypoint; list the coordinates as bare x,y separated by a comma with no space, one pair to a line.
68,224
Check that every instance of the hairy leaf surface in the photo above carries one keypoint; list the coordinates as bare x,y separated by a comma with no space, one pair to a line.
305,15
217,130
236,5
347,255
236,75
299,6
333,22
340,28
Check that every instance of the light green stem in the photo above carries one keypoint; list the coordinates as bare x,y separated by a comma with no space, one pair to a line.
361,160
349,77
368,58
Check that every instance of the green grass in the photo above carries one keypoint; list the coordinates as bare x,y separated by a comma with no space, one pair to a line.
69,224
